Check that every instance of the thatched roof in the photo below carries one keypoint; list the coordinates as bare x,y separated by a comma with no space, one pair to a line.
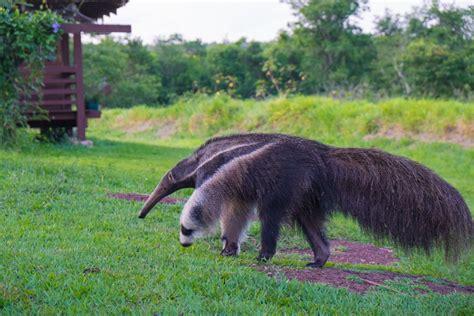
82,10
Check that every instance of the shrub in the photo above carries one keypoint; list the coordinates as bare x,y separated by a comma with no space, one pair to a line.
26,38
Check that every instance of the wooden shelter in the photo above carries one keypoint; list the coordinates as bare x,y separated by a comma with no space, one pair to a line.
63,95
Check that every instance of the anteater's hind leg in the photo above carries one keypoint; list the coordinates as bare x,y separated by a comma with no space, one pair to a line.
235,220
313,228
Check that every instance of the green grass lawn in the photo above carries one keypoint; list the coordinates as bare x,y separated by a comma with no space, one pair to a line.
65,247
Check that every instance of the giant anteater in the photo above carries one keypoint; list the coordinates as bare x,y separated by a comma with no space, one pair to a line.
280,178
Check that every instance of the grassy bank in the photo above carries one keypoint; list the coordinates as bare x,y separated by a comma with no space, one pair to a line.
341,122
68,248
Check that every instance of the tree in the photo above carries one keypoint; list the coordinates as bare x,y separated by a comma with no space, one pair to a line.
390,41
129,70
337,52
439,59
283,67
181,66
239,63
428,53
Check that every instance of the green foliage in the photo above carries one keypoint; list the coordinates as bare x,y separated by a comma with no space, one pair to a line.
27,39
180,66
242,61
337,53
120,75
427,53
66,248
283,68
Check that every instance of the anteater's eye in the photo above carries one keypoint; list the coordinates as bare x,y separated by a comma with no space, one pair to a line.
186,232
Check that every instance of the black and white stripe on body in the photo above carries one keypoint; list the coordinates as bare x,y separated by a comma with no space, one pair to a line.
192,171
219,198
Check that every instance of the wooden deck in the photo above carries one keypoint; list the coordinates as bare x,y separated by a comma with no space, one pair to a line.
62,100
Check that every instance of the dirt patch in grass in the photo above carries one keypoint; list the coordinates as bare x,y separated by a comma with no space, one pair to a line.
355,253
133,127
460,135
361,282
143,197
163,128
166,129
91,270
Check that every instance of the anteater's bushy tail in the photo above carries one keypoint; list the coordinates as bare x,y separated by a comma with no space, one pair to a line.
397,198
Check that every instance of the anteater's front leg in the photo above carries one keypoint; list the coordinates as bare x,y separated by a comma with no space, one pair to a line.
270,222
235,220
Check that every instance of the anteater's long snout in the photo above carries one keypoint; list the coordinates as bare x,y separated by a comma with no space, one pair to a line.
159,193
168,185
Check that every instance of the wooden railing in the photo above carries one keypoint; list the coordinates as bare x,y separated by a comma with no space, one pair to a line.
62,96
59,100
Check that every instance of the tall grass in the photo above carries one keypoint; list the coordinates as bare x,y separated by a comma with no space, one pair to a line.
314,117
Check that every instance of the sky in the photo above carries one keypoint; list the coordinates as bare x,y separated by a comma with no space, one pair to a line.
229,20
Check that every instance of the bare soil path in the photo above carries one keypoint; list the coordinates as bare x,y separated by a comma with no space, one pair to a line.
363,281
357,253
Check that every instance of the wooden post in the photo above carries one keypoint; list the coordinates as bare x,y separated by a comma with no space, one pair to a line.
65,49
81,110
65,60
